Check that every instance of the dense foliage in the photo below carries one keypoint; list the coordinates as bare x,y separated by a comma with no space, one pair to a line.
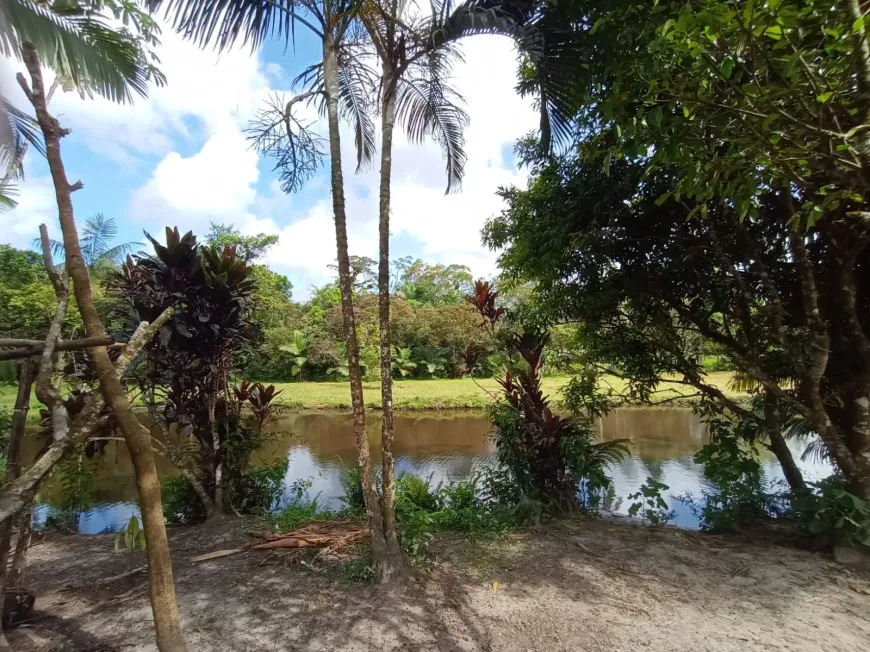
189,366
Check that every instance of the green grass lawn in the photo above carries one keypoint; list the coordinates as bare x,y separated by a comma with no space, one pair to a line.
449,393
420,394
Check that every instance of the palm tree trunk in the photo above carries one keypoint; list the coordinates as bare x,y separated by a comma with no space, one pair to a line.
394,562
345,282
138,438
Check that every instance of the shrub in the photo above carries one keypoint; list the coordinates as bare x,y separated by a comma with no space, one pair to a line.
353,498
650,504
417,492
414,527
740,497
181,503
834,511
468,507
260,488
571,474
300,513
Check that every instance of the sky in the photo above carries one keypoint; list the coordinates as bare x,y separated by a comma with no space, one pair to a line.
181,158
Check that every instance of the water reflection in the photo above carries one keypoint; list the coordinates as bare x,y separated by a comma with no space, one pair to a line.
442,446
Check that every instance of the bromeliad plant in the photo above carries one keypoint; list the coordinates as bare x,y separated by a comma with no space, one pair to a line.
547,456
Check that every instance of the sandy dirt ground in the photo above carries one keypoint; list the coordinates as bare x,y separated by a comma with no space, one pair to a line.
577,585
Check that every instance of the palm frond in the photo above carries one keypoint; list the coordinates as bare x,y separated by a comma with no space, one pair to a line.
613,451
8,192
742,383
797,427
96,235
17,129
816,451
355,84
427,106
77,44
476,17
225,23
296,148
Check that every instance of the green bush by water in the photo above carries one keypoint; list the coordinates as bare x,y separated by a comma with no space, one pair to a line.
833,511
256,492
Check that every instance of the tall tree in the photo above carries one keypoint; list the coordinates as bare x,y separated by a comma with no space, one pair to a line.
338,89
77,41
738,99
416,56
248,247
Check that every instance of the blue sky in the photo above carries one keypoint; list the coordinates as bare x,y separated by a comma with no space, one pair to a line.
180,158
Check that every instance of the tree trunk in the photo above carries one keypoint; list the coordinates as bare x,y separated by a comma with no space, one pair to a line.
345,281
217,468
779,447
394,562
13,463
19,561
138,438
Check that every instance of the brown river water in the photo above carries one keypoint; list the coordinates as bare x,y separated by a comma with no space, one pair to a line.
441,446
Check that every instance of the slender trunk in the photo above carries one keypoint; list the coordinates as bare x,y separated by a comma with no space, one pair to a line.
345,280
217,468
138,438
13,464
394,561
779,447
19,561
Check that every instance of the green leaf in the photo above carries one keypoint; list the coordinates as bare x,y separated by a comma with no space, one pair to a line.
774,32
599,23
727,67
824,97
748,13
662,199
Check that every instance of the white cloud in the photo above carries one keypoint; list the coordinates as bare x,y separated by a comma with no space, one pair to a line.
209,100
36,206
216,183
446,227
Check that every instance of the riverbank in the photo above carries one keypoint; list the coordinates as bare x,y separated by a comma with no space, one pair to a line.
574,585
436,394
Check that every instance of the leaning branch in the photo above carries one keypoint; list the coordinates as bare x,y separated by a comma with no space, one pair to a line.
18,494
34,348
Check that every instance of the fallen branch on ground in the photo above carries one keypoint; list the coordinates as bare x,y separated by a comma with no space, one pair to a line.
331,535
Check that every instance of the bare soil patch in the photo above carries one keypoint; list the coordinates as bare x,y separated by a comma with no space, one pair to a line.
576,585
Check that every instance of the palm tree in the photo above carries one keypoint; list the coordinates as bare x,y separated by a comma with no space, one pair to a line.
96,241
416,56
75,40
339,89
415,60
